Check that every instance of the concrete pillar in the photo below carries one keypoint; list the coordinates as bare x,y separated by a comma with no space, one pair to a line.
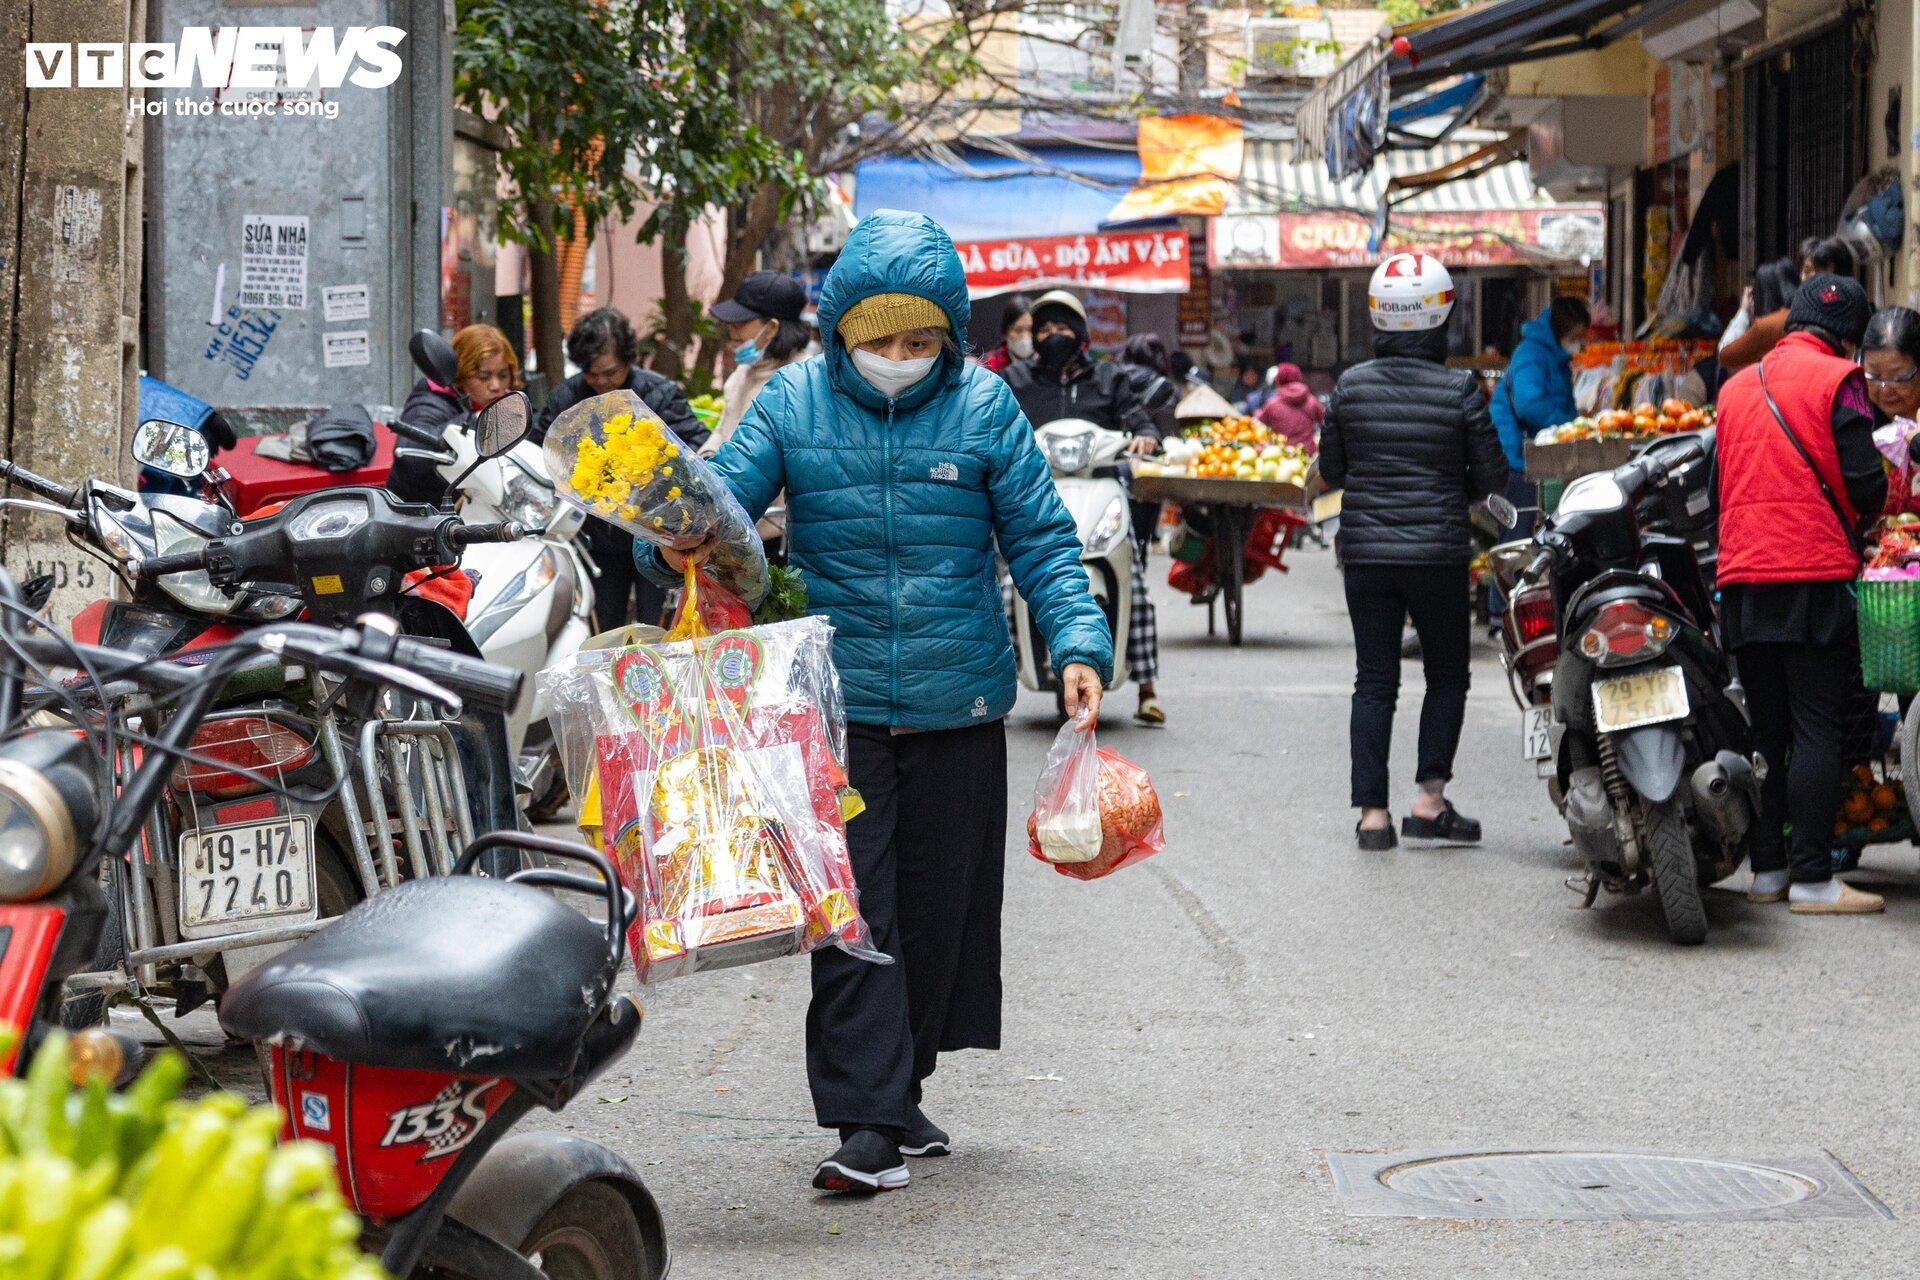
69,278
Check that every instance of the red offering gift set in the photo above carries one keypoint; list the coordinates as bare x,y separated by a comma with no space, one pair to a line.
721,770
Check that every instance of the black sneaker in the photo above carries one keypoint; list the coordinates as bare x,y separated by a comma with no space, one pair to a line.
1450,828
923,1137
868,1161
1376,839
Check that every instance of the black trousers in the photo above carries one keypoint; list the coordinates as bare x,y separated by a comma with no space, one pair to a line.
929,857
1799,696
1379,598
620,593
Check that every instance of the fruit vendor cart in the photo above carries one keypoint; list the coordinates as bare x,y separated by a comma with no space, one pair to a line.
1255,517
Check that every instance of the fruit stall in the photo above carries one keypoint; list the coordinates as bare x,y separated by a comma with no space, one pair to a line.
1247,487
1606,439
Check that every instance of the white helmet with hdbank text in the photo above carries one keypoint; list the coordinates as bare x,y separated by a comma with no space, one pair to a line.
1410,292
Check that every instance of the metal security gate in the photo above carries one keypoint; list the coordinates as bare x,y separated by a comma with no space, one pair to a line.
1803,143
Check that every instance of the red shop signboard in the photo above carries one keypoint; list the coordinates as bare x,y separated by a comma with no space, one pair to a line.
1123,261
1488,238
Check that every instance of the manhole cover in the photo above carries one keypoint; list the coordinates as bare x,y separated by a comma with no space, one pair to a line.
1598,1185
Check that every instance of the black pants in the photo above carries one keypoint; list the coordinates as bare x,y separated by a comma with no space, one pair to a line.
620,585
1799,696
929,857
1379,597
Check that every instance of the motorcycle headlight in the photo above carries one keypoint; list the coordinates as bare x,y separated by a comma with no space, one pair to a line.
46,803
192,588
1111,528
120,542
524,586
1070,453
528,501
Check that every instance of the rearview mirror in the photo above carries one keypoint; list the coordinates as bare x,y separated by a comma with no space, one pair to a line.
171,447
502,424
1502,510
433,356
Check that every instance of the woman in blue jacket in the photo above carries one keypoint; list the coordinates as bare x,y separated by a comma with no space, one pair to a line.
902,464
1537,392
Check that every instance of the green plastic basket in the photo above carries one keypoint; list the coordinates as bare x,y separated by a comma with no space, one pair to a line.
1890,635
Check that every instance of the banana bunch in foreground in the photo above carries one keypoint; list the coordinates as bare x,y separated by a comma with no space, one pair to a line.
139,1185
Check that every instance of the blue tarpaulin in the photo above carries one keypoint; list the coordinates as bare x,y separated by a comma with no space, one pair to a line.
984,196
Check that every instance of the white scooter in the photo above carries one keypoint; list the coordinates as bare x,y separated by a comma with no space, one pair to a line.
532,600
1085,460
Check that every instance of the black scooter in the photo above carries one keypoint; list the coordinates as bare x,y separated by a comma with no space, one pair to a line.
1654,767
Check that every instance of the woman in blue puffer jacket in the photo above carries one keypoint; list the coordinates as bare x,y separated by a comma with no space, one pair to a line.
1537,392
902,465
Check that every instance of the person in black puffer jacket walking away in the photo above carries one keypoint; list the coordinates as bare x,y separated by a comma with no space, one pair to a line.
1412,444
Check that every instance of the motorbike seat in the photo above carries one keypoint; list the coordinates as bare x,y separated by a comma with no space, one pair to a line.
458,973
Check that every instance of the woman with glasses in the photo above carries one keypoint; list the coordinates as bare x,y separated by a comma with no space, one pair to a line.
1890,355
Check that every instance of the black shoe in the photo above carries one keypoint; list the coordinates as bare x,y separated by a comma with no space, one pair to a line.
866,1162
1376,839
923,1137
1451,827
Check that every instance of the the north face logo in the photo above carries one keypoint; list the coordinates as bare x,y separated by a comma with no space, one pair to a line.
944,471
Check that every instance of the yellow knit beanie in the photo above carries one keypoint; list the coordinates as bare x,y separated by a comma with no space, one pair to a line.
885,314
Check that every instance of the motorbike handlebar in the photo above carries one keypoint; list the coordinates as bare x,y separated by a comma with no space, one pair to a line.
461,536
177,562
418,435
482,685
39,484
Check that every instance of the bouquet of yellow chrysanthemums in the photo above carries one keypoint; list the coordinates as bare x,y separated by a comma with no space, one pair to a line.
612,457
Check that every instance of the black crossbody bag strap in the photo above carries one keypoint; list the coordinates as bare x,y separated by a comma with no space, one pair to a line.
1826,490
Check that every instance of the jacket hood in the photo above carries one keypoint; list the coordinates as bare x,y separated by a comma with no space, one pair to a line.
894,252
1540,330
1294,392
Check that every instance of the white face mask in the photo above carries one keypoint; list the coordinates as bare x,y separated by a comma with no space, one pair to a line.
891,377
1572,347
1020,348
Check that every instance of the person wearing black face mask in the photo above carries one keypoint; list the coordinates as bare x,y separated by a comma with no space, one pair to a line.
1060,381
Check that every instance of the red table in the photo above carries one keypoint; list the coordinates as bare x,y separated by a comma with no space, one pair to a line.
258,481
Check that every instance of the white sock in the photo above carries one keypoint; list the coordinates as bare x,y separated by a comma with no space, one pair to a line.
1766,882
1824,891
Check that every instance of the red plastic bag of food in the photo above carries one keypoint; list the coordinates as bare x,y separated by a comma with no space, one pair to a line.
1094,810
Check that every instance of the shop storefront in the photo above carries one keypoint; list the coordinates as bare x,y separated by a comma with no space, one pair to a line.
1293,254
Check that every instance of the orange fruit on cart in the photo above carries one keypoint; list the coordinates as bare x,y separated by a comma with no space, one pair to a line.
1857,807
1885,798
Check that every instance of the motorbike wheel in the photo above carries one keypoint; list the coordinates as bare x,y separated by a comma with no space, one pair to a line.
90,1010
591,1234
1662,830
1910,757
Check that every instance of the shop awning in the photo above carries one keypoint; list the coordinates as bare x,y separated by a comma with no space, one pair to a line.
1471,204
1272,181
1509,31
981,194
1031,218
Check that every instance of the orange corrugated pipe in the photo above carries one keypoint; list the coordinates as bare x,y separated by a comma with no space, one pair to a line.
573,255
573,264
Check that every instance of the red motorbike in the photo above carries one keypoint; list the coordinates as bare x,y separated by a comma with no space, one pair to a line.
411,1035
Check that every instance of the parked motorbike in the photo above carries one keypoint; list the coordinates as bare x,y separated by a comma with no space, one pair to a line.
1652,760
413,1034
532,603
1085,460
70,805
374,782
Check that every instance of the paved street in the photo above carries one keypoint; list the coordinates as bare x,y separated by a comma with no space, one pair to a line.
1187,1040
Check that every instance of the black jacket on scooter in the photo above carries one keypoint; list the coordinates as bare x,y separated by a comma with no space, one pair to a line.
415,479
1411,442
1103,393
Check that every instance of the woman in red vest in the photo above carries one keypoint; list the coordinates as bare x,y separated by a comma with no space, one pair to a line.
1799,481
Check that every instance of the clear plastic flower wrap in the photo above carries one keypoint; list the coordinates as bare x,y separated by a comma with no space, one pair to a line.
612,457
719,769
